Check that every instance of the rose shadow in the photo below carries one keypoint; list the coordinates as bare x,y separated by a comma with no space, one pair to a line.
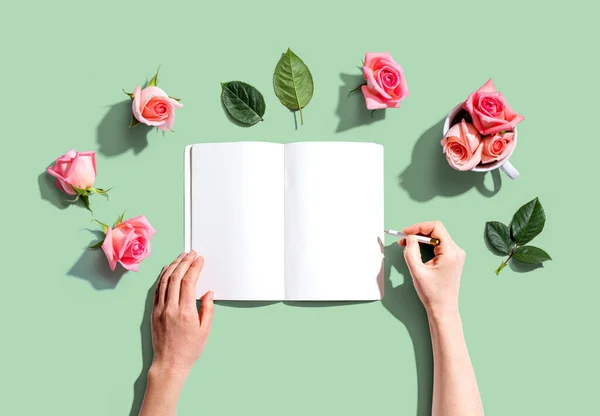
93,267
429,174
50,193
352,110
115,137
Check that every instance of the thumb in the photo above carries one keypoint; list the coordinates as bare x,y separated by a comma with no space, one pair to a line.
412,254
207,310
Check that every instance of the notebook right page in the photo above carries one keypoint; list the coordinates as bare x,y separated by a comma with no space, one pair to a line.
333,221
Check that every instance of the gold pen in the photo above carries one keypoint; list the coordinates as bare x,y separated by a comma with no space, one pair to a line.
419,238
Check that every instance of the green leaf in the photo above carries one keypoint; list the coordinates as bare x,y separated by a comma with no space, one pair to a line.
96,246
130,94
527,222
498,236
531,255
176,99
293,82
134,121
243,102
119,220
104,226
154,80
86,202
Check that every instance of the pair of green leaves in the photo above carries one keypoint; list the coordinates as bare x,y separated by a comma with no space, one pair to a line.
511,240
105,229
293,85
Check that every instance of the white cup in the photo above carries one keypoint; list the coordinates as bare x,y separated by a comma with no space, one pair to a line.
505,165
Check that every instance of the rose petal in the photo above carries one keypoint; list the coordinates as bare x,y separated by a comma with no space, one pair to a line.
123,234
108,249
141,222
487,87
372,101
372,84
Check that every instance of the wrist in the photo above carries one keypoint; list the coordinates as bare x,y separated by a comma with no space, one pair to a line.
160,372
443,315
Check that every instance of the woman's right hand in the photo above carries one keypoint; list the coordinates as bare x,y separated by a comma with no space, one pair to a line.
437,281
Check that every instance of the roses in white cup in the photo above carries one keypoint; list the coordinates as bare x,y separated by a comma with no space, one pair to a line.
492,133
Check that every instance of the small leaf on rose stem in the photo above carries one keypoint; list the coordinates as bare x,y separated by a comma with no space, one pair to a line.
134,121
243,102
96,246
130,94
104,226
119,220
293,82
86,202
498,236
531,255
527,222
154,80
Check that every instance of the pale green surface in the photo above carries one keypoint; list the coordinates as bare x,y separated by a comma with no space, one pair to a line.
71,341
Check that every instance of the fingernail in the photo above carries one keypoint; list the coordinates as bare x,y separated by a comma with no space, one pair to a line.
211,295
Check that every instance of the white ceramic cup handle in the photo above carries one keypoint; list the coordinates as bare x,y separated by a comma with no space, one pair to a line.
510,170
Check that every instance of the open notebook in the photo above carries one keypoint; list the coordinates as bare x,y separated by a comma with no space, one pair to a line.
301,221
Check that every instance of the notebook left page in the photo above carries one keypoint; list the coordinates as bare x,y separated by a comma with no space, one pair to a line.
236,219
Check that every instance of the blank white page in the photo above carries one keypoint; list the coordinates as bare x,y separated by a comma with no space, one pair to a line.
333,220
237,219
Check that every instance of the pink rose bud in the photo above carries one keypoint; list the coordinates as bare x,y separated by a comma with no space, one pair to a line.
489,110
128,243
462,146
152,106
74,169
497,147
386,85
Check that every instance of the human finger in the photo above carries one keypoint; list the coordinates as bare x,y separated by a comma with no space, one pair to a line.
157,289
207,310
187,295
164,281
175,278
412,255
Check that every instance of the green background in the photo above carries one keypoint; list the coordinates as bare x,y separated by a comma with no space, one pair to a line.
75,337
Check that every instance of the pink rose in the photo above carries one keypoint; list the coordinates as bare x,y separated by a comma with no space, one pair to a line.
462,146
128,243
386,85
74,169
152,106
489,110
497,147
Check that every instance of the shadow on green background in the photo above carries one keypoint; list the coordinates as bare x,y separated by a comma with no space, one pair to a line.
139,386
113,134
93,267
351,110
403,303
49,192
429,174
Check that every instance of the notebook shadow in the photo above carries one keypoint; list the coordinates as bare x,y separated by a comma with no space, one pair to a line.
93,267
351,110
113,134
244,303
139,386
429,174
404,304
